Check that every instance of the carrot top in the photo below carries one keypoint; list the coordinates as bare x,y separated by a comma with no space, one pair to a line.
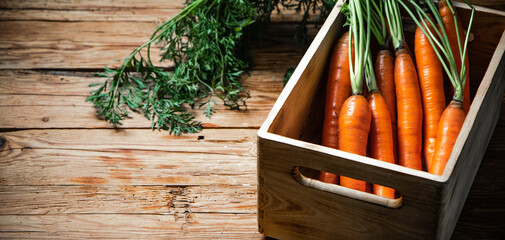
440,43
378,25
360,33
395,23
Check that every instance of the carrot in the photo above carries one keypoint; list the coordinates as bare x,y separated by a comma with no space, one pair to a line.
338,89
448,130
384,71
408,95
453,117
431,80
381,137
410,114
354,119
380,80
449,24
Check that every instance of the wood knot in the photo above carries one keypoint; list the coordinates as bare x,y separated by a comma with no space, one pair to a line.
3,142
45,119
201,137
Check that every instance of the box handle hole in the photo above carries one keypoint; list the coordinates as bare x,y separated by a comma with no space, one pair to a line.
344,191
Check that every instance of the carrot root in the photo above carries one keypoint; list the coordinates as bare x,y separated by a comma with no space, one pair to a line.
448,130
431,80
381,138
354,127
338,89
409,111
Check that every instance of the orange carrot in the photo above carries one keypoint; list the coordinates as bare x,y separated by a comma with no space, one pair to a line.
408,95
338,89
410,113
354,127
384,72
448,131
450,28
431,80
381,137
354,117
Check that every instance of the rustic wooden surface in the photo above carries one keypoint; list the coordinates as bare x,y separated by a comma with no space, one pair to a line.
64,173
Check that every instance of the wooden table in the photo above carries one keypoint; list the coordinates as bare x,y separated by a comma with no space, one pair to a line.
65,173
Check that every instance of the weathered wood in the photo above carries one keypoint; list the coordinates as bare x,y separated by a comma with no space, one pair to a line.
91,4
130,226
34,44
212,189
39,44
111,14
92,10
158,15
139,157
127,199
210,141
431,203
40,99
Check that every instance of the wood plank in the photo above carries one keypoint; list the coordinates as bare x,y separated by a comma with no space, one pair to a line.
72,83
35,44
57,167
158,15
91,4
137,157
128,226
483,216
92,10
231,142
112,14
42,99
131,199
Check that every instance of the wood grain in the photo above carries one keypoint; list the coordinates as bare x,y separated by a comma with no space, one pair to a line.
127,199
31,44
130,226
45,99
139,157
93,10
91,4
129,183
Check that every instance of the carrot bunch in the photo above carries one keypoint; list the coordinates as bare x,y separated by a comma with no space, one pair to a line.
404,118
451,50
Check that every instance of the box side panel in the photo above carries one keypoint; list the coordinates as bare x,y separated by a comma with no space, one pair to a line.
487,102
288,210
299,117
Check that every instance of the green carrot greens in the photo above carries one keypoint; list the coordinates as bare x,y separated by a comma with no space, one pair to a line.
207,42
440,43
359,36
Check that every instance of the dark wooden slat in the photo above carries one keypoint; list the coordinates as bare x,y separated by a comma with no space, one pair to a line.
483,216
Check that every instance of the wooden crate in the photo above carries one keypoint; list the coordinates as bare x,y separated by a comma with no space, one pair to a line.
292,206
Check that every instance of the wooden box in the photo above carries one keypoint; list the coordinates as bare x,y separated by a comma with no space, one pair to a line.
292,206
